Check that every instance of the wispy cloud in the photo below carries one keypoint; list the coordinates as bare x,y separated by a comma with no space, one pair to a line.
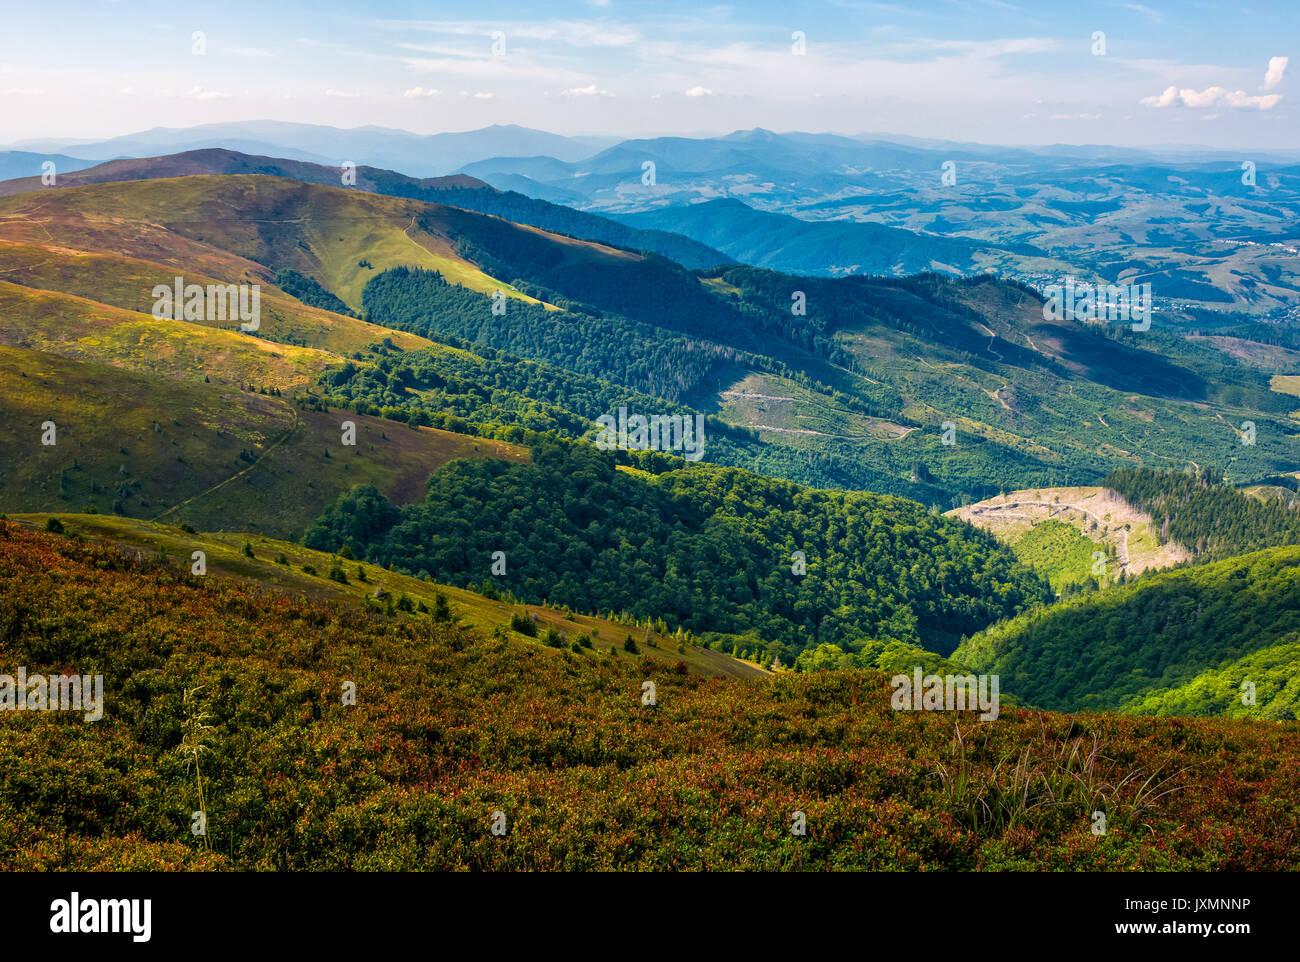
1153,16
199,93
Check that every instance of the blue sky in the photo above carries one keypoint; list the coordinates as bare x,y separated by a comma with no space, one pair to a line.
982,70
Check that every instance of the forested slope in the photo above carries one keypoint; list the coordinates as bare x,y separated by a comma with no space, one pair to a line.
706,547
1183,641
1204,515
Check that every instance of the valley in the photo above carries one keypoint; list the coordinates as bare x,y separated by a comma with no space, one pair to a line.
391,481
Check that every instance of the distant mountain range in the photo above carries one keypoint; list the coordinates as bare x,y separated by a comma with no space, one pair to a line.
424,155
1110,213
1188,220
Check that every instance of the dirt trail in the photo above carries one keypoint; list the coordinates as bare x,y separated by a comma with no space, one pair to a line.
297,423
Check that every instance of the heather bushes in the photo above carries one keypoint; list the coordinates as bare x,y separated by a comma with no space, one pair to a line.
447,726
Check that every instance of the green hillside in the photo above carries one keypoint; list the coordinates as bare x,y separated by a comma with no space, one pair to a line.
853,393
290,569
856,392
1060,553
1183,642
447,727
455,191
708,548
203,449
267,223
1206,516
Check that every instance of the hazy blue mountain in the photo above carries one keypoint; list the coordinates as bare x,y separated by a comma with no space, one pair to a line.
23,163
421,155
1184,221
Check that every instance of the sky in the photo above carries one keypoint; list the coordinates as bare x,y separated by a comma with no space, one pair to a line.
969,70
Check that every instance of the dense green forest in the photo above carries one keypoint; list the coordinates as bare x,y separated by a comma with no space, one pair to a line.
628,353
488,385
708,548
480,390
309,291
1203,514
912,352
581,365
1178,642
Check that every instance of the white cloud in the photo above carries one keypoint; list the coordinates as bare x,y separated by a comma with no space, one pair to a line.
576,33
699,92
419,92
198,93
340,93
1166,99
1211,97
1201,98
1239,98
1276,68
1074,117
589,91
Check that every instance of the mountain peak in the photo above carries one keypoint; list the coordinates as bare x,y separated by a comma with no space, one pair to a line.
757,134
